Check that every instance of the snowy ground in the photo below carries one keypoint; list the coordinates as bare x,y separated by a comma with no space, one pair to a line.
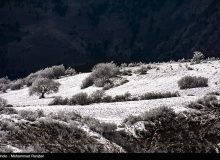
162,80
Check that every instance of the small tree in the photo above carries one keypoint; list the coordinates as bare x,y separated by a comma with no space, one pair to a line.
44,86
197,57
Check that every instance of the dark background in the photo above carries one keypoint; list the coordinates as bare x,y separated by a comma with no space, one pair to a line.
35,34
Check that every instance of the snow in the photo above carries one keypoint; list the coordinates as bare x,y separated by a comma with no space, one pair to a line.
162,80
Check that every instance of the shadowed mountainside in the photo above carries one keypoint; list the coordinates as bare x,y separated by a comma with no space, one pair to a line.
39,33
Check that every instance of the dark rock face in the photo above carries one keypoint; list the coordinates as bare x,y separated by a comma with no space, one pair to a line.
39,33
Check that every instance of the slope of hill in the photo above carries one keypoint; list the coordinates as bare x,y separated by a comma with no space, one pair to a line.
159,81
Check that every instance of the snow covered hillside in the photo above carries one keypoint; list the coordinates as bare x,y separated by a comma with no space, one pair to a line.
162,78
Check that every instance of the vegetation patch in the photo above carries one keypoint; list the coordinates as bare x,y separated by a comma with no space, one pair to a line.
192,82
153,95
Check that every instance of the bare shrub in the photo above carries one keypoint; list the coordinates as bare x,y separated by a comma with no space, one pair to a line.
192,82
44,86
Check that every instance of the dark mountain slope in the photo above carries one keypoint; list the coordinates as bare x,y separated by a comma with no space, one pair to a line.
39,33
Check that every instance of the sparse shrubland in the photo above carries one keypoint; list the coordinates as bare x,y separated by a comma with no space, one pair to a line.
100,97
168,132
53,137
56,133
192,82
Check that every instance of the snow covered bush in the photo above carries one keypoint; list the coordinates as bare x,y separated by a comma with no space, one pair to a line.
192,82
31,115
197,57
107,99
123,98
100,82
70,72
80,99
52,137
53,72
4,84
208,103
97,96
18,84
126,72
5,108
3,102
154,95
123,65
31,78
87,82
59,101
42,86
101,73
143,70
108,85
4,80
165,131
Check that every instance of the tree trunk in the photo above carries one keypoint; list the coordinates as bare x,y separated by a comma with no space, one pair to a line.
42,95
